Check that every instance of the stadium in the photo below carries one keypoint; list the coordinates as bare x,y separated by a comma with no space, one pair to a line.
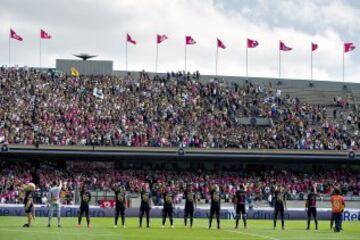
92,152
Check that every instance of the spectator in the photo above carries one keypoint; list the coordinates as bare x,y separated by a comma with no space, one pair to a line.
102,175
177,110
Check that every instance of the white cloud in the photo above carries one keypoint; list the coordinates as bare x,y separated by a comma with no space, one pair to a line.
100,26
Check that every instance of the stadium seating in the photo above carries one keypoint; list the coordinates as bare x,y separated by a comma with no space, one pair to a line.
100,176
174,110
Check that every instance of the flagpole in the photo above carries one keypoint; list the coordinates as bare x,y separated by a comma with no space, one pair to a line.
216,59
40,52
185,56
343,67
311,64
157,56
9,50
247,63
279,63
126,54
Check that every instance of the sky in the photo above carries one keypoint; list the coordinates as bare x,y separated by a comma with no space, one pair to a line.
100,27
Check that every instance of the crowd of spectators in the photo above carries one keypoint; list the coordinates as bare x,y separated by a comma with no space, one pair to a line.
177,110
101,176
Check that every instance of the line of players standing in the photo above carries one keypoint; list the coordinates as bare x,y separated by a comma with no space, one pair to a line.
191,201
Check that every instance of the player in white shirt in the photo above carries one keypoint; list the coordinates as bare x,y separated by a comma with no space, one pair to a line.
54,201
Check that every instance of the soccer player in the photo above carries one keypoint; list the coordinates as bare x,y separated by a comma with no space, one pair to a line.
120,199
168,207
54,201
310,205
190,204
29,204
239,204
338,205
215,205
280,205
85,196
145,206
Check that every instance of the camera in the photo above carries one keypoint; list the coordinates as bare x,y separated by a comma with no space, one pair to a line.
4,148
181,152
352,155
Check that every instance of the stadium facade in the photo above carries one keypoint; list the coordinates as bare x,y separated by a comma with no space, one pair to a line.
93,67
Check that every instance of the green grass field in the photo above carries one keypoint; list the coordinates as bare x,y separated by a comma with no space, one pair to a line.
102,228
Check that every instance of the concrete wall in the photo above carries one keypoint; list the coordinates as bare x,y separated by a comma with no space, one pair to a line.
90,67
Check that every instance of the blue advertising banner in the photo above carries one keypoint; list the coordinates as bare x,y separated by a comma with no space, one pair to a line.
202,212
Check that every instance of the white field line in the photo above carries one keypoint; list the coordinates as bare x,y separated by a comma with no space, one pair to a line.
254,235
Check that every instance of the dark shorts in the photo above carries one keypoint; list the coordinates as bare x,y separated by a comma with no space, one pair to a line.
240,209
189,209
312,212
120,210
214,209
30,209
279,209
144,210
168,210
333,216
84,208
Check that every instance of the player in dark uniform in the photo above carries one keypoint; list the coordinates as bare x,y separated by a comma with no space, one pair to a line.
85,196
280,205
215,205
310,205
190,204
145,207
120,206
239,204
29,204
168,207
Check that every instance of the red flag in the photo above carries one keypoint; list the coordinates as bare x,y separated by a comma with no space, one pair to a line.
314,46
189,40
161,38
130,40
15,36
283,47
44,35
349,47
252,43
220,44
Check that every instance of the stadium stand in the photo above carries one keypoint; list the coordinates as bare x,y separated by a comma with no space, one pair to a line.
174,110
100,177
